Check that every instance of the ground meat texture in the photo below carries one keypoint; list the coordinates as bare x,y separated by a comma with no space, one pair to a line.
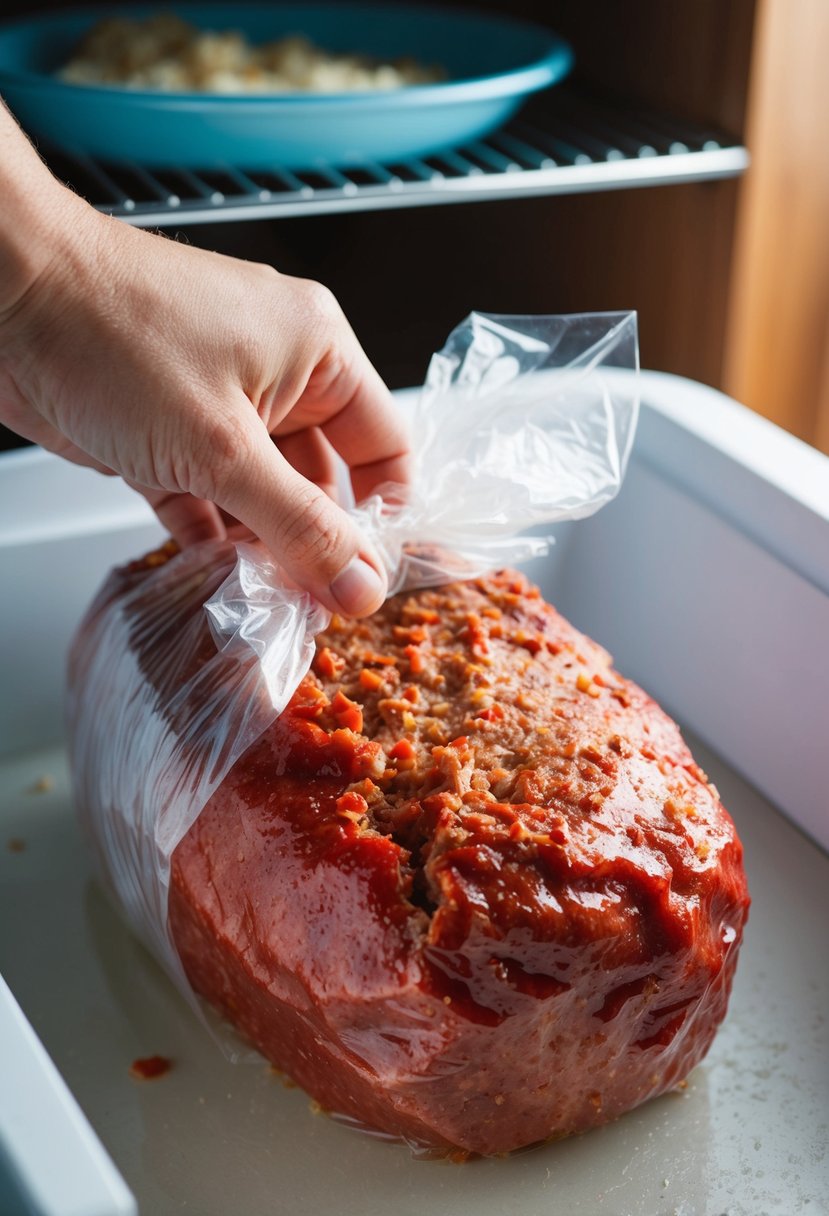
471,889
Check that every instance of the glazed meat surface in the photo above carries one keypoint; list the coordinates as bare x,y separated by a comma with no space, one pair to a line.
471,889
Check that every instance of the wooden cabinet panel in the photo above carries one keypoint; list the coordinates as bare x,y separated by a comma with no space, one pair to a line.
777,358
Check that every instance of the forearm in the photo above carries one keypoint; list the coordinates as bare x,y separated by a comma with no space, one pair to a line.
38,215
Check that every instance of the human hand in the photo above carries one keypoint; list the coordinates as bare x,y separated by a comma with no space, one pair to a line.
216,387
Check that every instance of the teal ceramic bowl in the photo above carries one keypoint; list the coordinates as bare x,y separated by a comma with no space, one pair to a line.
493,64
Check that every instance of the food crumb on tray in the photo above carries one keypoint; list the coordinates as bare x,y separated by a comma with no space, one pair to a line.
149,1068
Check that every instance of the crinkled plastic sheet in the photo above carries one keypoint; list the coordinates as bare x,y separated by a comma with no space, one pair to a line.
516,427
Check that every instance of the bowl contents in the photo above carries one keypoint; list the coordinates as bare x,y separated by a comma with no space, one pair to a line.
169,54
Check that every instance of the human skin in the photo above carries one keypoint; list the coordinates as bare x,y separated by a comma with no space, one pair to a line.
220,389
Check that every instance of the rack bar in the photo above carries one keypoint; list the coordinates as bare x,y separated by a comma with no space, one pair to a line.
570,144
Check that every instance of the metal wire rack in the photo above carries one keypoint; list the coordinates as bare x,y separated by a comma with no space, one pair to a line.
570,145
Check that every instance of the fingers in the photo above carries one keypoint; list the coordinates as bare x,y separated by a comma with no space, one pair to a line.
311,454
346,398
369,432
187,519
315,542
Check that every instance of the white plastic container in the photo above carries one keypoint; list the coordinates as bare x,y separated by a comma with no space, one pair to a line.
708,579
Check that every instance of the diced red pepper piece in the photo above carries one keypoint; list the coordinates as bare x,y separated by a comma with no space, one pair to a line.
411,633
351,805
415,658
382,660
348,713
528,641
329,664
310,732
402,750
427,616
370,680
477,636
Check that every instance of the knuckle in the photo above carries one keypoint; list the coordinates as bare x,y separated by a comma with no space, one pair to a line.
313,534
267,276
221,453
320,301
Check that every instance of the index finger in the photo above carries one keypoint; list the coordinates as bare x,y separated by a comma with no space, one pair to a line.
361,420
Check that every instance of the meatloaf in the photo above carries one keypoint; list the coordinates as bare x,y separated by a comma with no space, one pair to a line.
471,889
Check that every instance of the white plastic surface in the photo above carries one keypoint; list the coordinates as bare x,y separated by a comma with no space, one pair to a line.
765,482
61,528
708,579
54,1163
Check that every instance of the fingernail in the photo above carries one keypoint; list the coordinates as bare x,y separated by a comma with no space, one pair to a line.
358,588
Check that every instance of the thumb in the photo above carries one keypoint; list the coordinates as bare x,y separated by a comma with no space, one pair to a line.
313,539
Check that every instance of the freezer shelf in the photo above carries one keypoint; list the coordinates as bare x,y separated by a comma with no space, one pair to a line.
747,1137
568,143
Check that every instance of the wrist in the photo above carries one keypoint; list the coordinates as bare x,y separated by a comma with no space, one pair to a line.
41,220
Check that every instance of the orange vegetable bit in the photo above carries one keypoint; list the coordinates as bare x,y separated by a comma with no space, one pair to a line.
370,680
329,664
351,805
403,753
415,657
348,713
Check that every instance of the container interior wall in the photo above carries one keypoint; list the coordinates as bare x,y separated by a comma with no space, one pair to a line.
727,637
46,586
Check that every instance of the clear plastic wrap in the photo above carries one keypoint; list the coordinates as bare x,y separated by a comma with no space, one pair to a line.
517,427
